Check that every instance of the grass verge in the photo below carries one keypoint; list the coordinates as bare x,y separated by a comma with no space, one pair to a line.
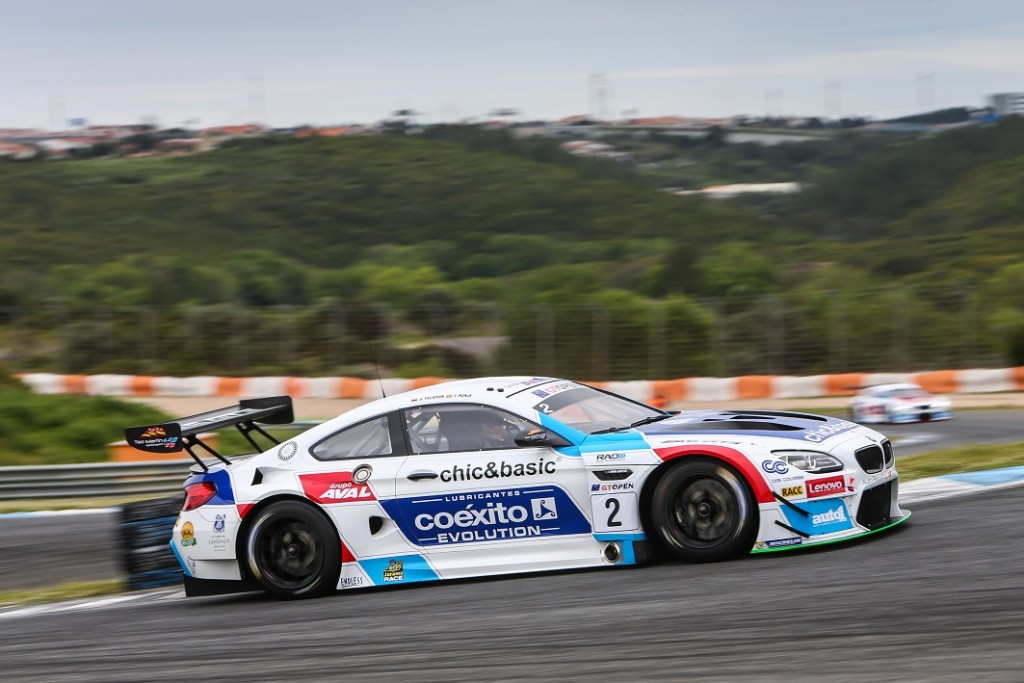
67,591
961,459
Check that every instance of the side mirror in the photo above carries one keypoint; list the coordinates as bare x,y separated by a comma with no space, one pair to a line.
535,438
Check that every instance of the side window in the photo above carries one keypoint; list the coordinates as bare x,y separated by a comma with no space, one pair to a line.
364,439
459,427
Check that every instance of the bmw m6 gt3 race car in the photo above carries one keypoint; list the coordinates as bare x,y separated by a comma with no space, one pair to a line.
512,474
895,403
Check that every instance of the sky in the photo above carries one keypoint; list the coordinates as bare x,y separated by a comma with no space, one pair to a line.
323,62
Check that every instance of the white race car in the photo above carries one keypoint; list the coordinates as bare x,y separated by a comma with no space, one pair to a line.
899,403
513,474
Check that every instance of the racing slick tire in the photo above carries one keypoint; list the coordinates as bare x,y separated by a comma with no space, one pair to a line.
293,551
703,511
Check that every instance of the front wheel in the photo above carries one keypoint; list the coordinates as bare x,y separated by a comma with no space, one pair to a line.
293,551
702,511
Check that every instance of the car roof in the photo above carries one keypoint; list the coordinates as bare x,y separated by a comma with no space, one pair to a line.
896,385
502,392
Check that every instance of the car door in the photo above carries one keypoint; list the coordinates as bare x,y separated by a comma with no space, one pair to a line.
352,475
466,488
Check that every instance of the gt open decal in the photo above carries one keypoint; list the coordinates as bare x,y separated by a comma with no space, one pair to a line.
497,515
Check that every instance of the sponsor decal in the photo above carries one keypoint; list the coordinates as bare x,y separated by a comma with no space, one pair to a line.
494,470
155,436
553,389
780,480
783,542
824,517
540,393
439,397
527,382
774,467
828,486
830,516
362,473
335,487
794,491
286,451
497,515
219,522
825,431
606,457
394,572
608,488
188,534
191,564
216,418
355,581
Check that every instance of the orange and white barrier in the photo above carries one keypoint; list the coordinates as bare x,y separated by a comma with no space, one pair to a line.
687,389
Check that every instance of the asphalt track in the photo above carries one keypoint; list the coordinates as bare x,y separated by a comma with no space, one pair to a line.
37,552
937,599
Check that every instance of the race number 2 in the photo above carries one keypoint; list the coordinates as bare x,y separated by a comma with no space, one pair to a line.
615,512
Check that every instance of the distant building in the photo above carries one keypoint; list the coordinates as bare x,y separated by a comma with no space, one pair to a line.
1008,104
13,150
730,191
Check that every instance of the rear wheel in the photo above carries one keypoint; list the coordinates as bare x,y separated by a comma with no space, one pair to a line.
703,511
293,551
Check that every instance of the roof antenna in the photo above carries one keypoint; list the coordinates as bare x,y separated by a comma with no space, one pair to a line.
373,357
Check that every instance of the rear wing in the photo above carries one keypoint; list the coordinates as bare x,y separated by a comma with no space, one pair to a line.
183,433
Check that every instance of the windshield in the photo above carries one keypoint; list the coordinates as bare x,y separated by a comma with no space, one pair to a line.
590,410
906,392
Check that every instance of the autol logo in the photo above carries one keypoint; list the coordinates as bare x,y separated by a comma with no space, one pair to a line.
830,516
823,517
816,488
335,487
499,515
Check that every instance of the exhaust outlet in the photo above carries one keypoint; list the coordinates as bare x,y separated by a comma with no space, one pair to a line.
611,552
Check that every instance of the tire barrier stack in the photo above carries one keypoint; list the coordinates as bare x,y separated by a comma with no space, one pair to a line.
145,532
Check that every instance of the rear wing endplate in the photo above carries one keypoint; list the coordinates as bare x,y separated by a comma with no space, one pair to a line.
183,433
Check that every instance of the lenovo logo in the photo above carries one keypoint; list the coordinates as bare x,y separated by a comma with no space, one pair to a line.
828,486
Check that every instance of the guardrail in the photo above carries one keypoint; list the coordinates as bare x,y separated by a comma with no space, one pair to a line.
158,478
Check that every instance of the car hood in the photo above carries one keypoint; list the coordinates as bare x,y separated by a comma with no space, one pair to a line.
803,427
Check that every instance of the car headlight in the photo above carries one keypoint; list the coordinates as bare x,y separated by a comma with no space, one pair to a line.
811,462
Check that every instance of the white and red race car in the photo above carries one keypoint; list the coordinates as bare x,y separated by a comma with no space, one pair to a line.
902,402
513,474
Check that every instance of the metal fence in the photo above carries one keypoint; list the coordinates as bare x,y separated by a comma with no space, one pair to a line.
615,336
106,480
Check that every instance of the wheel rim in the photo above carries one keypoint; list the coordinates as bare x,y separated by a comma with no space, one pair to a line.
704,511
289,554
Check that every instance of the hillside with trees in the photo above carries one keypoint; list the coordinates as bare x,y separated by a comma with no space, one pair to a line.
289,256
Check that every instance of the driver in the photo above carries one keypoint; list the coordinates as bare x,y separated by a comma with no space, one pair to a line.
493,432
